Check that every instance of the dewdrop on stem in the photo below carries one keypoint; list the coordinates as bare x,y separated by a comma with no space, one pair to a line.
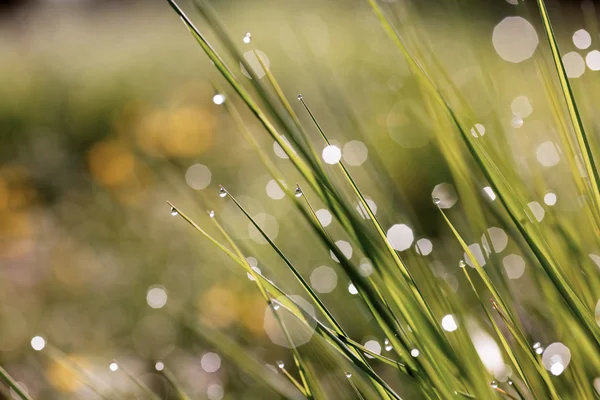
280,364
174,211
462,264
222,191
300,97
247,38
298,192
494,384
387,344
348,375
211,213
436,201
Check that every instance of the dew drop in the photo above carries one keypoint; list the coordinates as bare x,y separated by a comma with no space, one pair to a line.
387,345
516,121
415,353
247,38
219,99
462,264
280,364
113,366
510,382
300,97
174,212
275,307
222,192
494,384
539,350
348,375
436,200
536,345
211,213
298,192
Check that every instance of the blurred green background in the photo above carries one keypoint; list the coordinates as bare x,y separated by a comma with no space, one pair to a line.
107,111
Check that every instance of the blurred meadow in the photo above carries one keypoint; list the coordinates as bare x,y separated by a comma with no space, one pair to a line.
109,109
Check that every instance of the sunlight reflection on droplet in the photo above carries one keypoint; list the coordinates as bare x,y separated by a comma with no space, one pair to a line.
400,237
156,297
556,358
550,199
516,122
415,353
446,193
537,210
352,289
274,191
38,343
373,346
449,324
363,212
592,59
255,269
214,391
344,247
514,265
424,246
547,154
198,176
219,99
478,130
252,60
159,366
490,192
323,279
582,39
332,154
113,366
521,107
210,362
515,39
324,216
574,64
247,38
477,253
355,153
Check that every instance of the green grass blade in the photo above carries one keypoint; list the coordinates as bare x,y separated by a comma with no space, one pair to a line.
14,385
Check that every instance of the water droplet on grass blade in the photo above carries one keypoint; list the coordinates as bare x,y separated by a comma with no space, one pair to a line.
436,200
247,38
222,191
174,212
300,97
462,264
280,364
348,375
219,99
211,213
298,192
494,384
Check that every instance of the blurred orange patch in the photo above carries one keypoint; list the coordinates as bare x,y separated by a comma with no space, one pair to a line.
111,163
63,377
218,307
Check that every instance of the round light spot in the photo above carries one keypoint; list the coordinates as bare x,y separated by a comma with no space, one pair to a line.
252,60
355,153
267,223
521,107
446,193
352,289
373,346
363,212
279,152
477,253
499,239
400,237
210,362
477,130
556,358
274,191
547,154
515,39
574,64
159,366
344,247
516,122
156,297
449,324
219,99
323,279
593,60
198,176
113,366
324,216
514,265
550,199
214,391
424,246
256,270
38,343
582,39
365,267
299,332
332,154
415,353
537,210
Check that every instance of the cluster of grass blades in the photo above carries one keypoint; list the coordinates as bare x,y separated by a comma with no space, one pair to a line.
401,294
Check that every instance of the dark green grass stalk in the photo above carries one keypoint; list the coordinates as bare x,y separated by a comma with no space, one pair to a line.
13,385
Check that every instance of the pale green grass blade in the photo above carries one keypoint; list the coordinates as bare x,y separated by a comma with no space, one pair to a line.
14,385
